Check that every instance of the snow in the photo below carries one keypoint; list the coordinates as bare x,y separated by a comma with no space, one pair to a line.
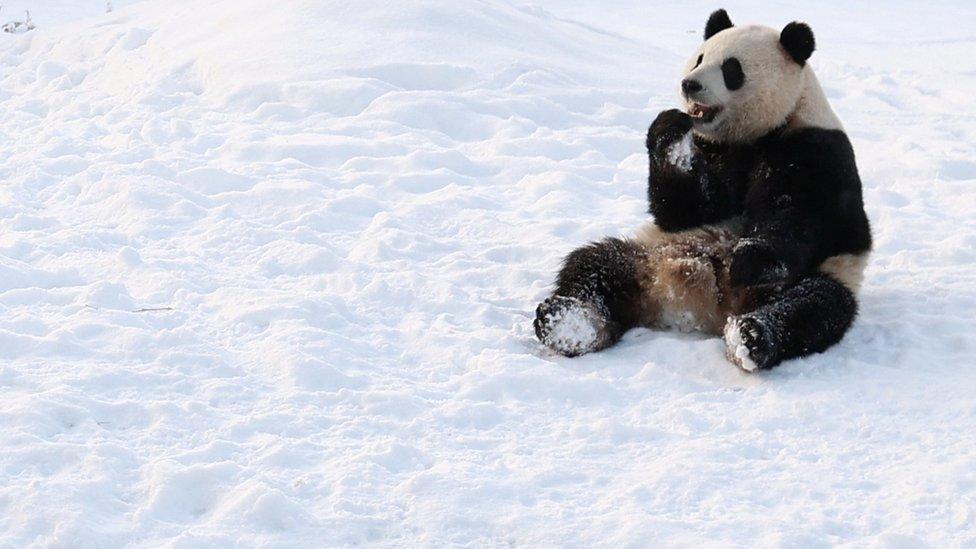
268,273
680,153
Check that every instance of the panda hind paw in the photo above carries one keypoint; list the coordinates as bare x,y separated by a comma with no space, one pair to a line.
748,344
570,326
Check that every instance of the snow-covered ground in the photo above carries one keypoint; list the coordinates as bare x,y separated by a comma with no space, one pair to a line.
268,269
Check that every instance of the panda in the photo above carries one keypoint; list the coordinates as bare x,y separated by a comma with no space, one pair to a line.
759,233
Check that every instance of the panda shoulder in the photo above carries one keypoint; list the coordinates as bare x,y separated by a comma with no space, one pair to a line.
818,147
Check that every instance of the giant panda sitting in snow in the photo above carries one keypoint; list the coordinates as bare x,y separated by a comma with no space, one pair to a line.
759,230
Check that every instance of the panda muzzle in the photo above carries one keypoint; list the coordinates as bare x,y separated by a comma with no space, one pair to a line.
702,113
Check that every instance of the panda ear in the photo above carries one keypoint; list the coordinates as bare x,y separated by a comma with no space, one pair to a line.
797,40
717,21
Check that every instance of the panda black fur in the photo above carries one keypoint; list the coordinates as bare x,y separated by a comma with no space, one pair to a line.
759,228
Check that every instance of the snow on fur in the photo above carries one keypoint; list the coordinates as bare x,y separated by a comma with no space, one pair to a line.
736,350
680,154
267,276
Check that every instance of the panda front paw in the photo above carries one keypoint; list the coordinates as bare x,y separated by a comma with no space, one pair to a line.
748,344
570,326
669,126
754,263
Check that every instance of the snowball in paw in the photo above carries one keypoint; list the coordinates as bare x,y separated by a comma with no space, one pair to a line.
679,153
569,326
736,349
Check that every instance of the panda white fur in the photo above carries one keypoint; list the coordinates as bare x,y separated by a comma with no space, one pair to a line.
759,231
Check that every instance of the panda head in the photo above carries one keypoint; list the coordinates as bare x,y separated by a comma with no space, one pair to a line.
743,82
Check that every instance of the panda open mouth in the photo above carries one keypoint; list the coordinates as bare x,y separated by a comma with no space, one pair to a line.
701,113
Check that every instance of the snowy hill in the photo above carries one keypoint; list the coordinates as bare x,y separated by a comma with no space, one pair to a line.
267,273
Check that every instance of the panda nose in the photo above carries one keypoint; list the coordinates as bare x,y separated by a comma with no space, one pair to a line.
691,86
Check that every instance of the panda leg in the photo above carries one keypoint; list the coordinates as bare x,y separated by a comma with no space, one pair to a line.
597,298
804,319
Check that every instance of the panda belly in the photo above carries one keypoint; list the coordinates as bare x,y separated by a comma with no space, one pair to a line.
685,282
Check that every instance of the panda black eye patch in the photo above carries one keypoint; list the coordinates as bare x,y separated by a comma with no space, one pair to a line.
700,57
732,72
